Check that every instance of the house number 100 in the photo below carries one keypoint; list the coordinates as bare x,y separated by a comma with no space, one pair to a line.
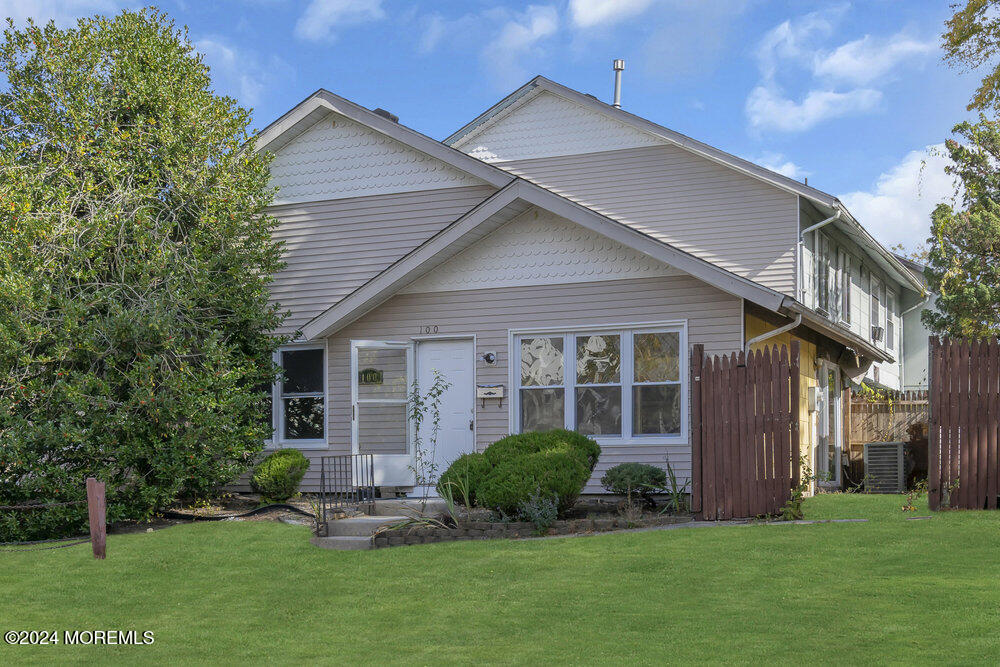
429,329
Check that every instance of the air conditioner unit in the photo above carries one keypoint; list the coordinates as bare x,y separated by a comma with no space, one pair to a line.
885,470
877,334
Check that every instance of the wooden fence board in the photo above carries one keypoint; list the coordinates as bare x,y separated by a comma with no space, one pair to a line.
934,435
697,364
745,429
964,440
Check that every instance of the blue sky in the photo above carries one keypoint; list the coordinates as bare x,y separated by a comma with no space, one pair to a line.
850,95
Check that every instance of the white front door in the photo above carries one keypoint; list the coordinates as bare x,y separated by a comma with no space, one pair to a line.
454,359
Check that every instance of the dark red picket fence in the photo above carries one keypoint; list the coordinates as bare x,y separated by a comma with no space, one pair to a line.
965,414
745,449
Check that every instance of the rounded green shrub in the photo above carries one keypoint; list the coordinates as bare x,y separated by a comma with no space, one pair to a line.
557,475
550,465
464,477
278,476
514,446
633,480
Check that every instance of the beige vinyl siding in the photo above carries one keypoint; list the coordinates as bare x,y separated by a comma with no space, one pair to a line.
713,319
738,222
334,247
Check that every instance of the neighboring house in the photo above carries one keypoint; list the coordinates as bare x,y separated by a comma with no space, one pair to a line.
916,336
565,255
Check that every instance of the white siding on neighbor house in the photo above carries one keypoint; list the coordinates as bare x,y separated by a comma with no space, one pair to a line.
539,248
546,125
735,221
333,247
916,338
714,319
338,157
862,267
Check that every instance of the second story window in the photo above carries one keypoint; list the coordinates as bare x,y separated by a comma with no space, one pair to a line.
877,321
844,263
890,320
823,265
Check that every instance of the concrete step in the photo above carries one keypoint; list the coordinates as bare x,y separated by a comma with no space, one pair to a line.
410,506
360,526
343,543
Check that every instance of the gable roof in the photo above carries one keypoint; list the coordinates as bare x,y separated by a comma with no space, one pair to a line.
516,198
499,209
309,111
824,201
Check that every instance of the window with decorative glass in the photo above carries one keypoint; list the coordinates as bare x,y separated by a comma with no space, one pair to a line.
618,384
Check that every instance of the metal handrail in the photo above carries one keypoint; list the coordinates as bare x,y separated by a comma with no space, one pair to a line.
345,480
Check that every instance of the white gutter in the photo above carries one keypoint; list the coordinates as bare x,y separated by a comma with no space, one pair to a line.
775,332
916,305
824,223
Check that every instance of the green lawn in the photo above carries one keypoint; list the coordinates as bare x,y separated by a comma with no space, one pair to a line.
889,590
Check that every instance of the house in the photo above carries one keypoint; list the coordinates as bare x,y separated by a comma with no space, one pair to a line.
555,259
916,335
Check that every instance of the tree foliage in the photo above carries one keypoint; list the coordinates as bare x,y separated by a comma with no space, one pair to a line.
972,40
134,265
963,262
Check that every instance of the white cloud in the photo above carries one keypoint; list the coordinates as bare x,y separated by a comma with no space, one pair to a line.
767,108
238,73
595,13
793,45
63,12
518,39
865,60
898,208
322,17
792,39
779,163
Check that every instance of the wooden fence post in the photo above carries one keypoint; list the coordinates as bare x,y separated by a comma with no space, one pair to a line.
795,404
96,512
934,462
697,366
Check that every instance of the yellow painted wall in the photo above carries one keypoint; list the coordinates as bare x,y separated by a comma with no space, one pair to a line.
755,326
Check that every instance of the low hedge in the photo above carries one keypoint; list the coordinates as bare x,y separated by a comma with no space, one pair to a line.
552,464
634,480
278,476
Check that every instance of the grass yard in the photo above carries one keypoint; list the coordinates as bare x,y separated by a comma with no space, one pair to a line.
890,590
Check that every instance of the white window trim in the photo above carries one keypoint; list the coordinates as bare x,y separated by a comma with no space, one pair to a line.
626,330
278,440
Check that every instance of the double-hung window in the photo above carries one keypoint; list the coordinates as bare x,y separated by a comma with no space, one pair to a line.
844,264
876,315
822,273
301,409
607,383
890,320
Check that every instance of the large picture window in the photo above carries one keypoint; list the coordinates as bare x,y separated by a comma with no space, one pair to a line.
615,384
302,396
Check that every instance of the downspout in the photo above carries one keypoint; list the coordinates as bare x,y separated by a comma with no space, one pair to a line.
802,235
775,332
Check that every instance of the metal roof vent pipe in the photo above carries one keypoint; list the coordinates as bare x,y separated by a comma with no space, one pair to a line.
619,67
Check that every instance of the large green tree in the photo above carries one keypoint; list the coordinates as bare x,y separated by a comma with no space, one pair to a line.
135,256
963,262
971,40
